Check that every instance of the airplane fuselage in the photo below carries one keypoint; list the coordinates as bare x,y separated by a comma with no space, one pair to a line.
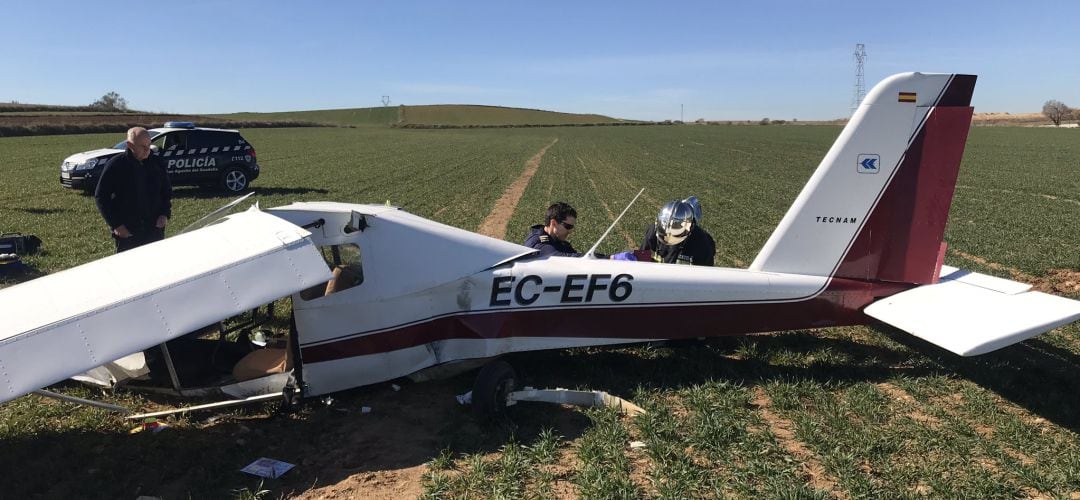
356,337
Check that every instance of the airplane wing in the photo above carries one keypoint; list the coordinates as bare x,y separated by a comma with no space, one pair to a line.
971,314
69,322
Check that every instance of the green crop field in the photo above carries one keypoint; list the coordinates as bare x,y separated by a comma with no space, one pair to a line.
433,114
862,412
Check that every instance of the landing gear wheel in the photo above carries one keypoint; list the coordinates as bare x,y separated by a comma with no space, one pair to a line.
491,390
290,399
234,179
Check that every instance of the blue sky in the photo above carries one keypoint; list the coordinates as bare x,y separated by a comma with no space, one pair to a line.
630,59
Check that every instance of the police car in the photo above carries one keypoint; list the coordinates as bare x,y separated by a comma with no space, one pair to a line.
191,155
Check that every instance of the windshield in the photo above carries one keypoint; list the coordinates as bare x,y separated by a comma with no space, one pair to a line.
123,144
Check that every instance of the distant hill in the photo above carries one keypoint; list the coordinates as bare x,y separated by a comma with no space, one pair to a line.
435,114
17,119
18,107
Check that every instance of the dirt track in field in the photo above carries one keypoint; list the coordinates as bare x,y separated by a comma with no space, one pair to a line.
495,223
386,456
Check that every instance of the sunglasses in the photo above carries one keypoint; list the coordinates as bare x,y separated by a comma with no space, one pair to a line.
568,227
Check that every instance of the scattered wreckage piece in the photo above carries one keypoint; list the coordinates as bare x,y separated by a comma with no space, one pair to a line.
263,398
586,399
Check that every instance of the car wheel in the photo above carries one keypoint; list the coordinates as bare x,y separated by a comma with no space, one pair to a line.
492,389
234,179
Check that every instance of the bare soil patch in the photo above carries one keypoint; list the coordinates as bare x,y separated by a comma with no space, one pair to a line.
1060,281
382,454
914,412
563,471
1065,281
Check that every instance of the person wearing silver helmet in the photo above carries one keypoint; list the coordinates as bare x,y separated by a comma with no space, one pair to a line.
677,235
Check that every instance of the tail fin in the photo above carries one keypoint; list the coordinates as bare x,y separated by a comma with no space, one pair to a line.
876,207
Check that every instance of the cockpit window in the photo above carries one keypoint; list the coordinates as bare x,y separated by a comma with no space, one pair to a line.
345,262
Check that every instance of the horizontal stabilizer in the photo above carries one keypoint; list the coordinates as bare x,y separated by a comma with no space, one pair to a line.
971,314
69,322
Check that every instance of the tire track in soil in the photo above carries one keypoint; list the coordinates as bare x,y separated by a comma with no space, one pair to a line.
1060,281
622,179
1009,191
641,465
495,223
782,428
611,215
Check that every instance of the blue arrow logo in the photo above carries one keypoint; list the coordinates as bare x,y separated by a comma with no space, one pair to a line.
867,163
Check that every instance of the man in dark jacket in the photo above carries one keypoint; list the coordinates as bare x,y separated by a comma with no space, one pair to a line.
677,236
134,195
550,237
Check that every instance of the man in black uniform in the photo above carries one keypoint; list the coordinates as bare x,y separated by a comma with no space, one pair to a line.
134,195
677,235
550,237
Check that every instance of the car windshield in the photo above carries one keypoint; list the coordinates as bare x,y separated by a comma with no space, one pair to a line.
123,144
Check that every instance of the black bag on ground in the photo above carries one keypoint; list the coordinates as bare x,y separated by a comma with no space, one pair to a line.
18,243
10,264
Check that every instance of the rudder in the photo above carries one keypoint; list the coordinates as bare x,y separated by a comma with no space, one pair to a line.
876,207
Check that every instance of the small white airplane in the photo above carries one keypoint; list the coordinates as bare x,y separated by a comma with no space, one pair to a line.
370,303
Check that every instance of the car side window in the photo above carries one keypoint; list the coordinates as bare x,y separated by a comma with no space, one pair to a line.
197,139
160,141
175,140
224,139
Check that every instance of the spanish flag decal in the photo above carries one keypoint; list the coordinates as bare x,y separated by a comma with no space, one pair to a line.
906,97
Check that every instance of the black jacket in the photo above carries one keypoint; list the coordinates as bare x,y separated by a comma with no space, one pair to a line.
133,194
699,248
547,245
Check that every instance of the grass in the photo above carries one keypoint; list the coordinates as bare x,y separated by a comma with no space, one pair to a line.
516,471
605,467
846,412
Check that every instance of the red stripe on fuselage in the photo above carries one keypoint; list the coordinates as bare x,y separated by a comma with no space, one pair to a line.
839,304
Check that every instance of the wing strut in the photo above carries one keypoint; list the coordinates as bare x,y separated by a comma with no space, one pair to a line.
81,401
209,217
592,251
